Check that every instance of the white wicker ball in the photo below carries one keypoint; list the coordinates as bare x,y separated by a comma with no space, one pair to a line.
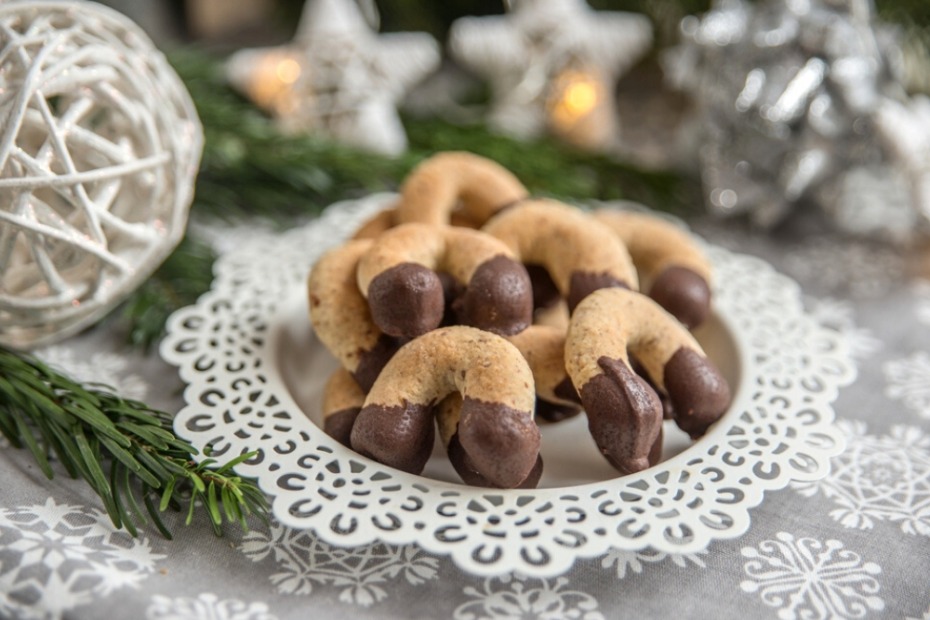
99,147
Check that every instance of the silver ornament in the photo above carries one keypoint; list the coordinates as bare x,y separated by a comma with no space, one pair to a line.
99,147
801,102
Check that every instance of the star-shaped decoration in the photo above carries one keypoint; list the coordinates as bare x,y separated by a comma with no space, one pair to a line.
552,66
338,78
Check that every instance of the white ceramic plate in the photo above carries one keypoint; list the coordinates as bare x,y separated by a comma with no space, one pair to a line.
255,372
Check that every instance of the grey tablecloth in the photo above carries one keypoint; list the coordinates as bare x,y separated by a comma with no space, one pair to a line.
854,545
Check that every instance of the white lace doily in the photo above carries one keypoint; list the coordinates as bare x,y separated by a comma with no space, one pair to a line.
255,371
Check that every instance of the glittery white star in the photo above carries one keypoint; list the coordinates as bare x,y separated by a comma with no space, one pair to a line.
534,56
338,77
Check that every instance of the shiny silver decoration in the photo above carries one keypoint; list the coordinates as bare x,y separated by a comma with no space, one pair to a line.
801,102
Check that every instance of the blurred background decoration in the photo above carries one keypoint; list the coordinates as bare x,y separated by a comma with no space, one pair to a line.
638,84
652,113
803,102
552,66
337,77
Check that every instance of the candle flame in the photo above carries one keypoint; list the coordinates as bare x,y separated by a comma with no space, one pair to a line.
577,95
273,80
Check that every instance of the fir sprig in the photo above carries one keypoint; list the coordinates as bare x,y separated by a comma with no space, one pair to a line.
126,450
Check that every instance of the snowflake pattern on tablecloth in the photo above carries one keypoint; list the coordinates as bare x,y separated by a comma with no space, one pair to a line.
909,381
10,609
879,479
809,579
206,606
359,573
633,561
517,596
104,368
55,557
844,268
838,315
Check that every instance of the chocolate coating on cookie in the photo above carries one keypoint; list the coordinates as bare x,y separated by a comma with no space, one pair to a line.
584,283
624,415
565,390
338,425
578,255
674,269
501,443
451,290
406,300
342,400
608,328
667,411
547,411
497,394
699,393
499,297
400,436
398,275
471,476
371,362
473,463
568,405
684,293
545,292
655,454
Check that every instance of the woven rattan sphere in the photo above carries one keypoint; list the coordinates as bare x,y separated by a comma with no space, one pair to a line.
99,147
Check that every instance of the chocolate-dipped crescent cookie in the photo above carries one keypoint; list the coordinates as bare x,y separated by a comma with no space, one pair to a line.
543,348
674,269
340,316
624,412
579,256
451,180
342,400
405,294
448,416
496,428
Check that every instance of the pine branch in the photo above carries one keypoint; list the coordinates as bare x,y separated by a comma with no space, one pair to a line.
125,450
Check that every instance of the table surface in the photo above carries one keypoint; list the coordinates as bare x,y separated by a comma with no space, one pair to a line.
854,545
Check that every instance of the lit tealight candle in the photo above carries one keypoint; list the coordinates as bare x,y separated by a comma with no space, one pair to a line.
272,80
579,109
